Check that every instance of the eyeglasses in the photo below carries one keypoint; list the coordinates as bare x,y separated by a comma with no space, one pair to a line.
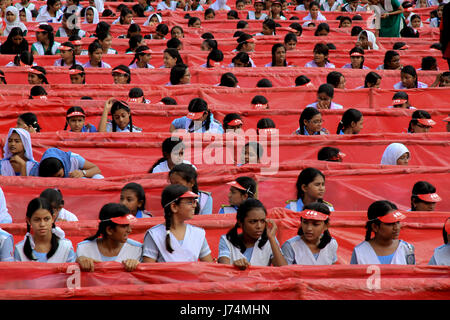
316,121
191,202
423,126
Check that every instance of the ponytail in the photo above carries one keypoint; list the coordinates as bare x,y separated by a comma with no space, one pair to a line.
233,237
368,230
27,246
168,218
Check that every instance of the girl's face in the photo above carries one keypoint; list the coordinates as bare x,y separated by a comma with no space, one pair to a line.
127,19
346,24
322,33
238,63
96,56
266,30
324,98
22,125
196,24
106,43
314,124
240,6
364,41
120,78
154,19
34,79
76,79
119,233
169,61
408,80
357,126
276,9
356,61
250,155
122,118
41,36
17,40
15,144
314,11
130,200
66,54
423,3
249,47
145,58
210,16
90,16
387,231
254,224
315,189
56,6
424,205
10,17
403,159
445,82
186,79
41,223
440,10
420,128
177,33
76,123
415,23
376,85
176,156
186,208
290,45
341,84
176,178
280,55
23,16
235,198
313,230
259,7
394,63
319,58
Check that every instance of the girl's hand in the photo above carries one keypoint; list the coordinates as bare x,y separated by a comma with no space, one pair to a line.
17,160
241,264
271,228
322,105
86,264
109,103
76,174
384,15
130,264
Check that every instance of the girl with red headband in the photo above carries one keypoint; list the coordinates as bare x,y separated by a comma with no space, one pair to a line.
356,59
76,120
424,197
241,189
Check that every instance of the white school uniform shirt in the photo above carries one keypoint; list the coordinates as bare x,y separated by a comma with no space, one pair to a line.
58,63
63,254
5,217
400,86
312,64
66,215
62,33
6,168
320,17
135,66
296,251
31,6
349,66
126,129
364,254
260,256
333,105
251,16
192,248
441,256
184,123
130,250
6,246
44,16
163,6
39,48
164,167
326,7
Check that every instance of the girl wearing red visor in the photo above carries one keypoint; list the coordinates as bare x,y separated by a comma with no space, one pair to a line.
356,59
77,74
421,122
232,122
257,244
114,244
241,189
385,247
76,120
141,58
424,197
175,240
313,244
441,256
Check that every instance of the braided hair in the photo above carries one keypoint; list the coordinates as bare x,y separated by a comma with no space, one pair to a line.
322,208
108,211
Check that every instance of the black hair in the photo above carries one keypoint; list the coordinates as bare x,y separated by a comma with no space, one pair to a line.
54,197
123,68
208,11
70,110
372,77
34,205
307,114
428,62
8,46
331,46
436,46
177,72
199,105
250,185
173,43
176,27
207,35
36,91
344,18
301,80
297,26
30,119
138,190
102,27
134,27
215,55
135,93
388,57
241,24
417,114
233,13
117,105
166,148
162,28
242,40
68,15
169,101
108,13
101,36
123,13
140,11
230,117
409,32
321,48
26,57
228,79
238,33
420,187
377,209
259,99
322,208
243,57
48,29
357,17
193,20
269,23
305,177
361,51
264,123
334,78
327,89
70,45
134,41
138,53
79,67
274,50
93,46
290,37
43,75
328,154
174,53
322,26
188,173
49,167
256,147
242,211
264,83
108,211
412,72
349,116
356,30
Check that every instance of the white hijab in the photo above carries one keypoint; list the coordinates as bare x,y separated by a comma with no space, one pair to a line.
392,153
371,38
220,5
146,23
99,5
28,13
5,217
96,16
24,135
15,23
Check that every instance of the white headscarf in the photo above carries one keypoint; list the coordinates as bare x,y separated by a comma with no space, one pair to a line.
15,23
99,5
24,135
28,14
220,5
392,153
96,16
371,38
5,217
146,23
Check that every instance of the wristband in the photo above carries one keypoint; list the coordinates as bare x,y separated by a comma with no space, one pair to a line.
84,172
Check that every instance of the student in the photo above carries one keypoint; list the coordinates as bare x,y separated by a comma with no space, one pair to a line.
114,244
290,41
241,60
268,28
252,152
132,196
310,188
232,122
76,120
424,197
421,122
25,4
177,32
209,14
12,20
38,91
313,244
121,117
5,217
105,40
264,83
356,59
314,13
179,74
367,40
305,6
175,43
186,174
344,22
208,45
173,154
95,52
320,57
55,198
214,59
385,247
372,80
396,154
265,125
228,79
330,154
77,74
259,102
355,31
199,119
391,61
121,74
6,246
133,30
258,5
91,16
175,240
322,30
194,5
167,5
303,80
76,41
336,79
310,123
61,164
161,32
232,15
276,10
441,255
428,63
442,80
154,18
278,56
137,95
37,75
15,42
43,245
351,122
246,43
134,42
72,30
17,154
325,95
257,244
51,13
241,189
415,22
409,79
29,122
45,44
194,22
68,57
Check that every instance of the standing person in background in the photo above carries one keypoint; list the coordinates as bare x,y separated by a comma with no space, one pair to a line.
444,28
392,19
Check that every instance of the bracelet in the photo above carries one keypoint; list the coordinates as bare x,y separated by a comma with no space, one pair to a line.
84,172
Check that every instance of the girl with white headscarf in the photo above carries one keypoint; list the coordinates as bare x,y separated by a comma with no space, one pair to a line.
18,154
220,5
5,217
369,38
96,18
395,154
28,15
150,19
15,22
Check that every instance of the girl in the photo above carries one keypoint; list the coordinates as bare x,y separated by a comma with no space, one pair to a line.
424,197
194,22
95,53
257,244
401,100
76,120
171,57
320,57
396,154
278,56
241,59
37,75
246,43
121,74
314,13
214,59
76,41
208,45
105,40
303,80
310,188
232,15
167,5
367,40
137,95
77,74
6,246
179,74
15,43
153,19
209,14
228,79
177,32
421,122
29,122
345,22
17,154
186,175
351,122
332,5
290,41
42,245
313,244
252,152
91,16
12,20
134,42
336,79
265,125
372,80
125,18
199,119
121,117
68,57
441,255
330,154
232,122
194,5
268,28
173,154
322,30
175,240
51,13
356,59
45,44
310,123
25,4
241,189
415,22
61,164
5,217
259,102
138,11
276,11
257,14
325,95
55,198
409,80
161,32
175,43
385,247
391,61
114,244
132,196
72,30
38,91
